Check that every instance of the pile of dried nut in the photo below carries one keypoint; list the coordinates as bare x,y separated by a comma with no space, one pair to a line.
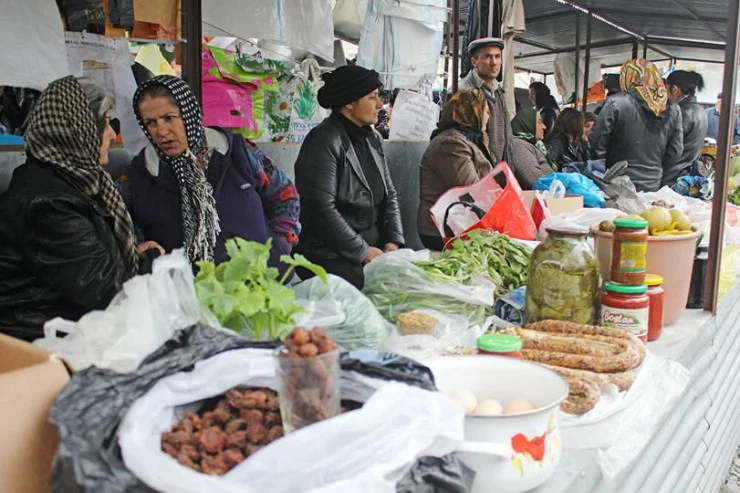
216,441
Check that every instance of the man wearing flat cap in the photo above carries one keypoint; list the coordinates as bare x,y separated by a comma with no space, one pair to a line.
486,59
349,208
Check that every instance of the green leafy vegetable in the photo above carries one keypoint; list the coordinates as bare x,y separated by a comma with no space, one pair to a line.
503,260
734,196
244,293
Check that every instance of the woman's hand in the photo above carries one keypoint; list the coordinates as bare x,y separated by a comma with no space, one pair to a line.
141,248
390,247
372,254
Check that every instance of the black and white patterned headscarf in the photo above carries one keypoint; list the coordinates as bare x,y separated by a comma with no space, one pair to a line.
63,134
200,222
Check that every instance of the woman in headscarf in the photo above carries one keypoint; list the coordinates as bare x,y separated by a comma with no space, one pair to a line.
66,238
530,153
458,155
349,207
565,144
682,86
541,98
196,187
640,125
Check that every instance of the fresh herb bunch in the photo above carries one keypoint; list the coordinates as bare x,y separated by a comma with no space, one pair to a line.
503,260
244,293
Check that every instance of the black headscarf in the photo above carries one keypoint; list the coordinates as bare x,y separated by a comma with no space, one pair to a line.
346,85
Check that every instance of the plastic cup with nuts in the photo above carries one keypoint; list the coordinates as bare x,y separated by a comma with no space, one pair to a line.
308,378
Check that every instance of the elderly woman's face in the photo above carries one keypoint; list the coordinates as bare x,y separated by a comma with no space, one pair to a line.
163,121
108,135
541,127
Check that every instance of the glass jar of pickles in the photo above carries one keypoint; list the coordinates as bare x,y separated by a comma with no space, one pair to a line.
563,279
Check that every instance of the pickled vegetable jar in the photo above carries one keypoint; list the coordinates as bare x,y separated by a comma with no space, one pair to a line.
563,279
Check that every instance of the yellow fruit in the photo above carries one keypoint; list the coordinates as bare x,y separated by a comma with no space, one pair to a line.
606,226
681,220
658,218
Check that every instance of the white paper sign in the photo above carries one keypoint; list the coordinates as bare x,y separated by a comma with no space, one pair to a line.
32,40
414,117
107,60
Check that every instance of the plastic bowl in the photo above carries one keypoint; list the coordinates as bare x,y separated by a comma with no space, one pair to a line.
669,256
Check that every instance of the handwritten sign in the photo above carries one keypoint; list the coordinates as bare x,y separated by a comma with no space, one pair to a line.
414,117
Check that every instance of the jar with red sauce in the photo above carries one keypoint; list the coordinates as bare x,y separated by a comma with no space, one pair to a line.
500,345
655,293
627,308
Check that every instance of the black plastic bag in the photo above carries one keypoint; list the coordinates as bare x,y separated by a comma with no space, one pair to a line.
90,408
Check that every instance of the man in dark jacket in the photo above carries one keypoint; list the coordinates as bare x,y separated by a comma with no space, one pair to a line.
349,208
713,122
486,58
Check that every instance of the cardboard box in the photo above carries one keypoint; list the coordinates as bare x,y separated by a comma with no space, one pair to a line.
30,380
569,203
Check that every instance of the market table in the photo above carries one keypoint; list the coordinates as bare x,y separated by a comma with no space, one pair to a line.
695,441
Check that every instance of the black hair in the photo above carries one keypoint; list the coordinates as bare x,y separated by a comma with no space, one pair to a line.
570,122
542,94
688,81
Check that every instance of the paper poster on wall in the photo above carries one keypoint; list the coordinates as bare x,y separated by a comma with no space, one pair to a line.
414,117
108,61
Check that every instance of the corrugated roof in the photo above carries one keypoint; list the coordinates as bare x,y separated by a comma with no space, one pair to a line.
681,29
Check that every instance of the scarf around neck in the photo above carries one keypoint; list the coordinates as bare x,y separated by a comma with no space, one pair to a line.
200,221
63,134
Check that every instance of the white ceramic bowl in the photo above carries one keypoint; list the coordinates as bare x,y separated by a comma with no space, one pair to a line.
510,453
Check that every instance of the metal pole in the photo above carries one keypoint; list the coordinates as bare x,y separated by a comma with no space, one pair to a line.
491,12
635,48
193,33
587,62
724,146
446,50
455,44
644,49
578,58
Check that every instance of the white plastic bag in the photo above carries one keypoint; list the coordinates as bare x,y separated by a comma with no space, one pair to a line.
365,450
582,219
349,318
396,285
146,313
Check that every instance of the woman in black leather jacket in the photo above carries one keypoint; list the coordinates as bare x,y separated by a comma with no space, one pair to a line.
349,208
66,240
682,86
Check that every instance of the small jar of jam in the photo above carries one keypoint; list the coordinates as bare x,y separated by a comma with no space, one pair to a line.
500,345
629,248
627,308
655,293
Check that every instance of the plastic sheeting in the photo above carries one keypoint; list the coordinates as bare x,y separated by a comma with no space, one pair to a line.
31,61
403,40
564,67
305,25
89,410
349,19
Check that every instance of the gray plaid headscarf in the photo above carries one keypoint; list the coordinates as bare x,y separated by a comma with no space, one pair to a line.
63,134
200,223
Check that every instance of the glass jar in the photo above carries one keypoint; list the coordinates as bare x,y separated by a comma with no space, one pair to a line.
629,247
627,308
500,345
655,314
563,279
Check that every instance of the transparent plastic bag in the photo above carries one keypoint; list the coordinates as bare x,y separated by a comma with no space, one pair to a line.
369,449
147,311
396,285
346,314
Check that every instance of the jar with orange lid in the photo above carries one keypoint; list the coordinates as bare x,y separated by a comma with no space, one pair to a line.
629,249
655,317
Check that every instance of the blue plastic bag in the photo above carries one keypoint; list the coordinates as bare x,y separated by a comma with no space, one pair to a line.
576,184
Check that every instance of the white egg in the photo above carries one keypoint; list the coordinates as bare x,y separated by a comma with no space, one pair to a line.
488,407
466,399
518,406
